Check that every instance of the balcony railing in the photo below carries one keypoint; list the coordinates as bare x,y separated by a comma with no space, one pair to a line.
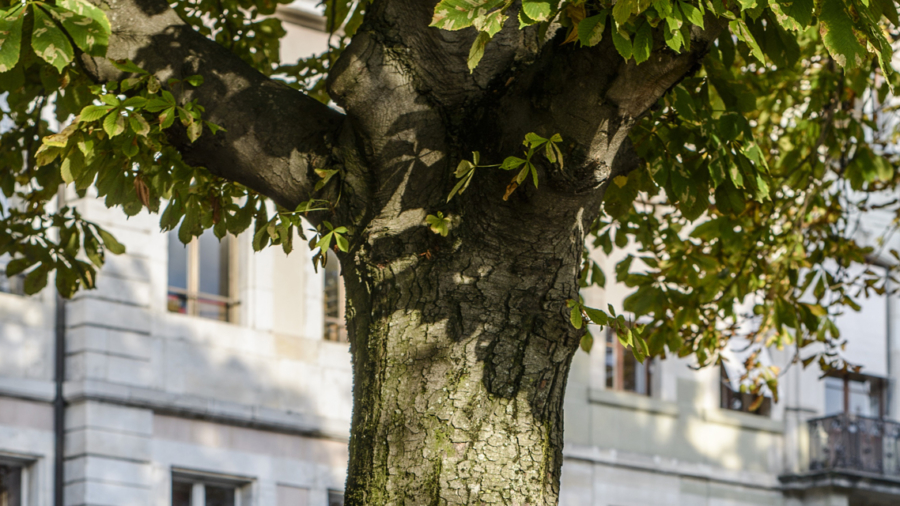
855,443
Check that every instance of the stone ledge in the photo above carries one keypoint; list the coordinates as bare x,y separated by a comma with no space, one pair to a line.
192,406
743,420
33,390
632,401
843,479
670,466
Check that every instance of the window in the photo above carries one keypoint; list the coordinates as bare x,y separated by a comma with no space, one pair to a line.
10,485
335,498
733,399
202,490
335,330
855,394
623,371
201,277
733,374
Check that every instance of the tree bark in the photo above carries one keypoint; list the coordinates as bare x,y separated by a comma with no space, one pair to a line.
461,344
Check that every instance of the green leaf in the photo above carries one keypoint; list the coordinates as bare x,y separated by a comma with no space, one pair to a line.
538,10
36,280
195,80
692,14
512,162
114,124
476,53
194,130
87,33
643,43
795,14
575,316
341,242
740,29
18,266
10,41
49,41
533,140
438,224
837,32
85,8
590,30
598,316
110,242
622,11
459,14
587,342
127,66
139,125
326,175
623,45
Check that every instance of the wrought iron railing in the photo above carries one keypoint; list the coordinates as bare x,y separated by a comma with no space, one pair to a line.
855,443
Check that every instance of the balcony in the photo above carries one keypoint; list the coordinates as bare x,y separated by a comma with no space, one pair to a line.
856,455
854,443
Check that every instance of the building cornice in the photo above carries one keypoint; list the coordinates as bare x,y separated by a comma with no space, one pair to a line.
669,466
212,410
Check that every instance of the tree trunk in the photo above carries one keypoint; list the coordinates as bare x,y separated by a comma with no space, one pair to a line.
461,357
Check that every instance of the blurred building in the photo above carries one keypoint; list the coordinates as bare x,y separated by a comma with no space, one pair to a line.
208,375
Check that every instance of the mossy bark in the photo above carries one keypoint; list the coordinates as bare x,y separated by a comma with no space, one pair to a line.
460,359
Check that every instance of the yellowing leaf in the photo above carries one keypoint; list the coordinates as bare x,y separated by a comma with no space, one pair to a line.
49,41
837,32
10,41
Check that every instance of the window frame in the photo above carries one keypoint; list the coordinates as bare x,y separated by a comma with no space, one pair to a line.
881,384
240,484
727,396
619,353
24,465
335,497
192,293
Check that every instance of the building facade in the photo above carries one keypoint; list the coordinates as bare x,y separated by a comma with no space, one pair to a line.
209,375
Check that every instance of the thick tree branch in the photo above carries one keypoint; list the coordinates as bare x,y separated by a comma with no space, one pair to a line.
437,58
275,135
592,97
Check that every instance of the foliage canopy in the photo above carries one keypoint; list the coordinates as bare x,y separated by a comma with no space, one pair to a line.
740,220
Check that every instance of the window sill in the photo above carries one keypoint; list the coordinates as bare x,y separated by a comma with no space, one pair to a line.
743,420
636,402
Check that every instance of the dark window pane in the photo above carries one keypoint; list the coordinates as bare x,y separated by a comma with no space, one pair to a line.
219,496
181,493
834,396
10,486
740,401
334,320
213,268
610,360
332,288
635,374
177,262
335,498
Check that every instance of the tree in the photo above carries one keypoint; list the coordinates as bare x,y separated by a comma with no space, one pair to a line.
732,145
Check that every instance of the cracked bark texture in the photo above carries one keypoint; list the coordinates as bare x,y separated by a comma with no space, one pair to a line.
461,344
